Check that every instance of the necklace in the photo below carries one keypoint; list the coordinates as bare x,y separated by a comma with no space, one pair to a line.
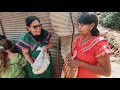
85,41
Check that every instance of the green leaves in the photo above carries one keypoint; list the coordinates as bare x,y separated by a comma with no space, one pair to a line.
110,19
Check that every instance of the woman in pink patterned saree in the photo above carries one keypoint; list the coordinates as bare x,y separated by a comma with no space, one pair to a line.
93,51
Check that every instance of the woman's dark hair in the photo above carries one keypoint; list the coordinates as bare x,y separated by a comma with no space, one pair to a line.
7,45
89,18
2,37
3,60
30,19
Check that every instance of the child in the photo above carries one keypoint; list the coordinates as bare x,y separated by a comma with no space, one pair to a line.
10,63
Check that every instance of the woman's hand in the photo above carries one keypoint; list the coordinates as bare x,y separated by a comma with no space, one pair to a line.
44,49
68,57
74,63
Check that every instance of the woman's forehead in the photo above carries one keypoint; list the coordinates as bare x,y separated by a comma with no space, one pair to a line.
35,22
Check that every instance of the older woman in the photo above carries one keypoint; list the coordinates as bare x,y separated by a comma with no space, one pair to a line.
29,42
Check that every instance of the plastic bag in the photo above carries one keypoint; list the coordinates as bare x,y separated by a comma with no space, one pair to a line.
41,63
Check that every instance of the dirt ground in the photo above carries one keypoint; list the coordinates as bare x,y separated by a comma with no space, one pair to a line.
115,62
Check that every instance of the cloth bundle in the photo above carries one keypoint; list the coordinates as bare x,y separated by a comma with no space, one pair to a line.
69,72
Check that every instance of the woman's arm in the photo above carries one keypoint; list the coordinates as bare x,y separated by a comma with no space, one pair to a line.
49,45
45,47
104,67
27,56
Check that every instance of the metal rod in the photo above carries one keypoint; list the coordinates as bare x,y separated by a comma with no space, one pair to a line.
73,30
3,32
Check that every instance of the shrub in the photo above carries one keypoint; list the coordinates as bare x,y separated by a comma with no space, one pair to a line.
110,19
